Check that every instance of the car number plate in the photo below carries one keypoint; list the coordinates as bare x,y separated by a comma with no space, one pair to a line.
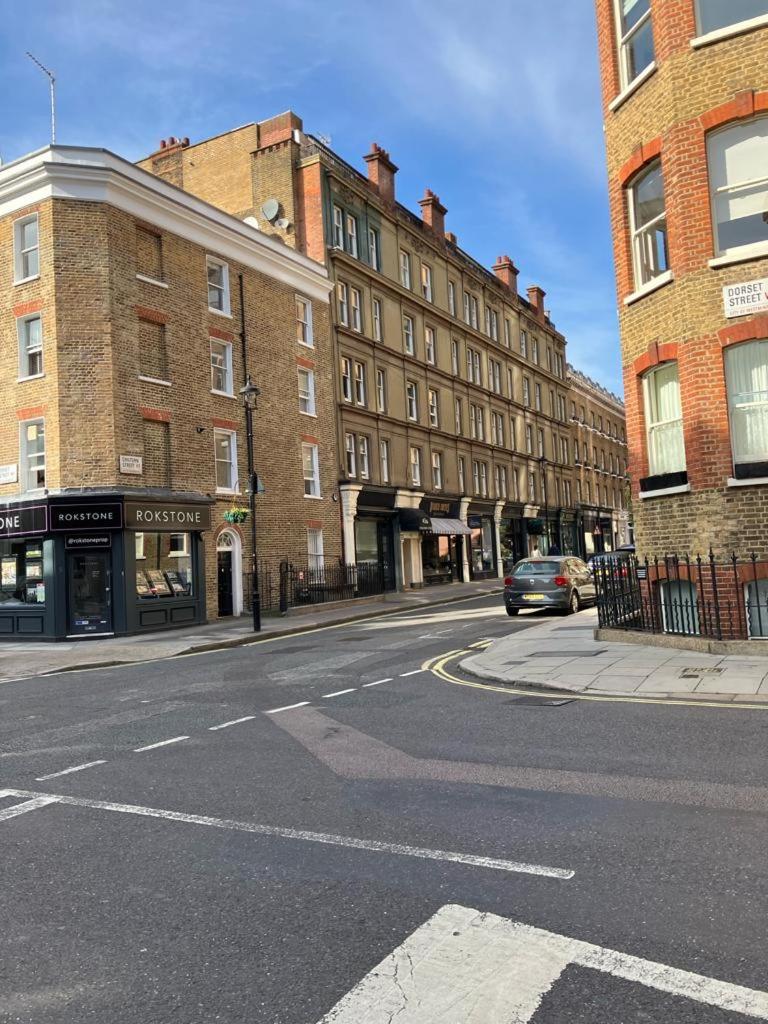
533,597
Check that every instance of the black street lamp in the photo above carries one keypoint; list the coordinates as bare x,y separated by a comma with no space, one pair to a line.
249,395
543,464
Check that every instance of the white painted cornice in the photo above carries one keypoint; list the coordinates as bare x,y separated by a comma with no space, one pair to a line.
96,175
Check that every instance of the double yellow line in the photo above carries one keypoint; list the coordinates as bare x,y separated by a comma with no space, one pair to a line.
437,666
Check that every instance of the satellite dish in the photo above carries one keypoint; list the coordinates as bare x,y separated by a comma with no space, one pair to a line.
283,223
271,209
251,221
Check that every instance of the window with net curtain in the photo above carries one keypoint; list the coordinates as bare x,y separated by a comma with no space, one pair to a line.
664,420
746,373
715,14
738,178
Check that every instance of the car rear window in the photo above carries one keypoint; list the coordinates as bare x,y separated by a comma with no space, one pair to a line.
538,568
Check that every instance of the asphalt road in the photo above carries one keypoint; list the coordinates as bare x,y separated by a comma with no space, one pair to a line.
259,871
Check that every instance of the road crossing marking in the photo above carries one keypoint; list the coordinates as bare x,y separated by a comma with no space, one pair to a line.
288,707
162,743
475,968
235,721
351,842
68,771
338,693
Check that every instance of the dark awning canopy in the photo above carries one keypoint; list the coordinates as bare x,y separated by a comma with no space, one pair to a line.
413,520
448,527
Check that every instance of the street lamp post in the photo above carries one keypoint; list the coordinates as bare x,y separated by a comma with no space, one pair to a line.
543,463
249,395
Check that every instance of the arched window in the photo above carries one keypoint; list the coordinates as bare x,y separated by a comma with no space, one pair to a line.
664,420
746,373
738,180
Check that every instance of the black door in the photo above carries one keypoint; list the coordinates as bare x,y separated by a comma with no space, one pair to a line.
225,583
90,592
386,559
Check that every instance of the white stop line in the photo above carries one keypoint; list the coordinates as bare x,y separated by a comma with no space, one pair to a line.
467,967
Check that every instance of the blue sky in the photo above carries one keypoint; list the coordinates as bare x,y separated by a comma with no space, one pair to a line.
493,106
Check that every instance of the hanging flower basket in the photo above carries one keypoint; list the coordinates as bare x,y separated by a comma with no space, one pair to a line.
236,515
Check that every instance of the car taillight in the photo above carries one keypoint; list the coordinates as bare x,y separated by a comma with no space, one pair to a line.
561,581
507,581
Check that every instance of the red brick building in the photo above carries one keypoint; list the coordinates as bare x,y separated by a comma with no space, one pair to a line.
685,96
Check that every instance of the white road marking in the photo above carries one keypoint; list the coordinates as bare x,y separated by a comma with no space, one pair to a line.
351,842
235,721
378,682
415,672
162,743
474,968
338,693
288,707
28,805
68,771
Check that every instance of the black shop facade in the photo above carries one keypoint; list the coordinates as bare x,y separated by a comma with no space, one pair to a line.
101,564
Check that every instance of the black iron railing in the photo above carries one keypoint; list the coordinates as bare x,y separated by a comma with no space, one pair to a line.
302,584
723,599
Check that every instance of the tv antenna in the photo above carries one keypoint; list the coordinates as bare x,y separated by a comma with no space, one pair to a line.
52,82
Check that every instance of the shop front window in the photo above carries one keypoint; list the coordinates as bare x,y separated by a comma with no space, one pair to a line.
482,547
438,556
163,565
21,572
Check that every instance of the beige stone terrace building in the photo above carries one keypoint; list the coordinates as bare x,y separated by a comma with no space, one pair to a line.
132,313
453,431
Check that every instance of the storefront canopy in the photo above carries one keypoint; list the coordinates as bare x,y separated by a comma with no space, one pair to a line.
448,527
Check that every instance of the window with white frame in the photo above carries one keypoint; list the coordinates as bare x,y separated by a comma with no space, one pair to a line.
507,333
30,332
374,248
474,371
564,450
455,358
342,303
524,344
350,448
304,333
381,390
493,324
738,180
458,415
225,456
310,462
434,411
494,375
512,433
526,392
377,327
746,374
411,400
338,227
437,471
26,248
716,14
462,488
415,462
363,457
352,235
467,309
500,481
497,429
306,391
429,344
663,420
315,557
346,379
567,496
476,422
221,367
360,388
540,442
585,452
32,454
356,306
515,485
535,350
474,311
218,285
648,224
408,335
476,476
452,298
537,397
384,460
510,384
405,269
529,438
426,281
635,38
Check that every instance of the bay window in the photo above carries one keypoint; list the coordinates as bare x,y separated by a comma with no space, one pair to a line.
635,37
664,420
738,180
746,373
648,221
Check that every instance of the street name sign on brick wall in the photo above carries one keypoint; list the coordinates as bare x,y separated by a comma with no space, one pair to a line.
748,297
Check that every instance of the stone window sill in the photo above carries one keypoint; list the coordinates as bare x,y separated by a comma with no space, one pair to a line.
151,280
741,255
739,28
664,491
633,86
755,481
155,380
649,288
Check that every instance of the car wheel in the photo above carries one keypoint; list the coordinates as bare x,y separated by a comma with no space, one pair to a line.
512,611
574,604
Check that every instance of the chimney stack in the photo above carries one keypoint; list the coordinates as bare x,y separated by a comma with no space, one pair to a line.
451,238
536,299
433,212
381,172
507,272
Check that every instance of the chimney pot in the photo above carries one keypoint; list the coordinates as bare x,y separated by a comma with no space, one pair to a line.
381,172
433,212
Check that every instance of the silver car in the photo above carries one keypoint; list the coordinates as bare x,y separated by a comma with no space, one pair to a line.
561,582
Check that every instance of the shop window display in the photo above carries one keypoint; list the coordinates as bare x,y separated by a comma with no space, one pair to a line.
21,573
163,565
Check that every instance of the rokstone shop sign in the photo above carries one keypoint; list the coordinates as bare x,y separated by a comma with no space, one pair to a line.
16,522
160,516
749,297
74,518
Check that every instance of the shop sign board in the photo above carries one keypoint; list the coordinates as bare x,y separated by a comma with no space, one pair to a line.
16,522
88,540
71,518
166,516
747,297
474,522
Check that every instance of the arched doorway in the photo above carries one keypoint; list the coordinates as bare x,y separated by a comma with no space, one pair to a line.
229,559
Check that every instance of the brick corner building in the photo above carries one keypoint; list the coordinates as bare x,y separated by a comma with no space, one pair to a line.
685,95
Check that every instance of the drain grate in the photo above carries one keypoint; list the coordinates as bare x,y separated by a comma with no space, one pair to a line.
694,673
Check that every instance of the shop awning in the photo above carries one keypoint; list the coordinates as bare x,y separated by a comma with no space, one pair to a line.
448,527
413,520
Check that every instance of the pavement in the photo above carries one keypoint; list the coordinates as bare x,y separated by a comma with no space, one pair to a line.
562,653
321,830
22,660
